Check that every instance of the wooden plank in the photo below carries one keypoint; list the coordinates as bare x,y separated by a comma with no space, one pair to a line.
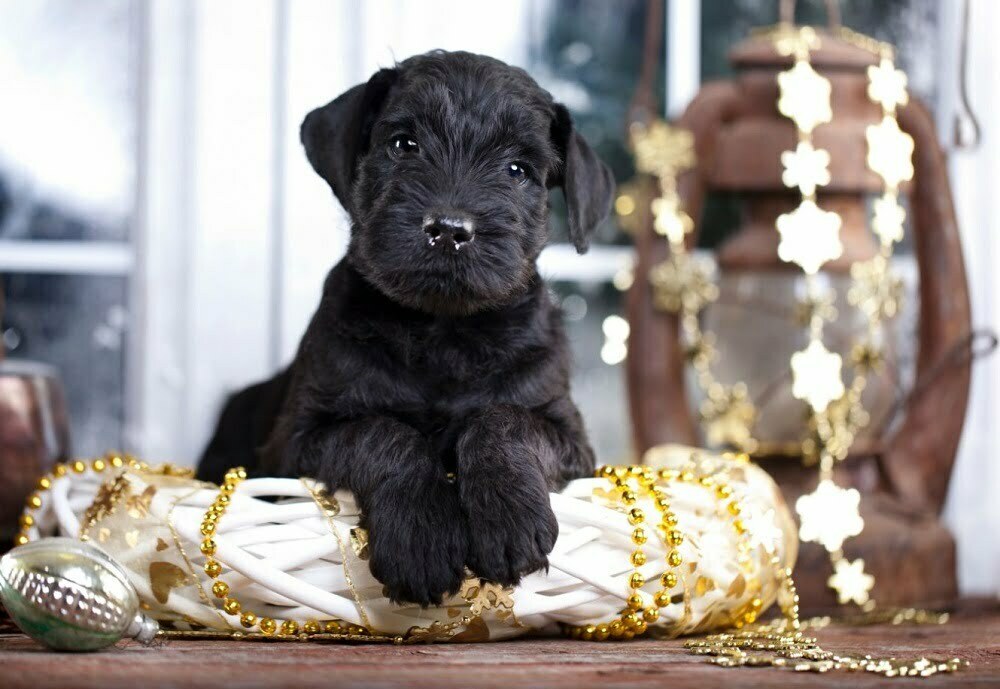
973,635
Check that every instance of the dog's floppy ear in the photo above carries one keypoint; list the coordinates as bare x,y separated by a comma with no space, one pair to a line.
586,181
337,134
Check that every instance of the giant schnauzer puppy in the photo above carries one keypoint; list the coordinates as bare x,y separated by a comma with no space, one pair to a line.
433,380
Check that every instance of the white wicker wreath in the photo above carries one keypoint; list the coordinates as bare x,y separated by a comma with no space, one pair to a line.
288,554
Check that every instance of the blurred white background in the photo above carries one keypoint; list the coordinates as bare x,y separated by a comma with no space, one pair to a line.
163,240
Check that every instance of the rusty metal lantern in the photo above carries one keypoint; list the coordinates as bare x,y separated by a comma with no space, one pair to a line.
34,433
903,476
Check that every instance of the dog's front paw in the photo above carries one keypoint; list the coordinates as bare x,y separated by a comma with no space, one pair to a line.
509,535
512,528
417,541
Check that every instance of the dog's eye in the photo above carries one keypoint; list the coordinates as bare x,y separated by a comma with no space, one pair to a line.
517,171
403,144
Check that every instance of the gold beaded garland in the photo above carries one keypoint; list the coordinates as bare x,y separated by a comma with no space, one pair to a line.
220,589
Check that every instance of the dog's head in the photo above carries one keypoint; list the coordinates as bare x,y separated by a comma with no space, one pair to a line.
444,164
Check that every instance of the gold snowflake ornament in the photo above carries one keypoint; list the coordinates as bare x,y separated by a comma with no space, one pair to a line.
670,221
816,376
804,96
682,282
728,418
806,168
875,290
850,581
890,152
829,515
810,236
888,219
887,85
661,150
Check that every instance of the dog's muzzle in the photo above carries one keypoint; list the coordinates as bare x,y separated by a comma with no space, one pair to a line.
451,230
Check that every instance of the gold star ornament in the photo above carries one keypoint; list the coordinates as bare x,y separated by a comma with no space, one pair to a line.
810,236
682,282
728,416
850,581
816,376
806,168
890,152
887,85
829,515
804,96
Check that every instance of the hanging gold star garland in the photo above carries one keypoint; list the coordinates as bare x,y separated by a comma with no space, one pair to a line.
809,238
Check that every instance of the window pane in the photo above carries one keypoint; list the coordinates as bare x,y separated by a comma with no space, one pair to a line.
588,54
67,124
79,325
598,385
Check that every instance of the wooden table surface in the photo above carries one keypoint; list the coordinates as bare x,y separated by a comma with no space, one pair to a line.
973,634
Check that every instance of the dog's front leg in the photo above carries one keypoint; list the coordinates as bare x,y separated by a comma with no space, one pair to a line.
416,529
506,456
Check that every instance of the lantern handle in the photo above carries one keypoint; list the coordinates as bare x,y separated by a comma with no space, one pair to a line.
786,12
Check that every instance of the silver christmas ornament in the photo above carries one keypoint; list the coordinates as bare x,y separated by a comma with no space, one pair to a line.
71,596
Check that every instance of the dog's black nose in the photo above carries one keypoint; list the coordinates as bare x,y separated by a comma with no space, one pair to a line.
450,230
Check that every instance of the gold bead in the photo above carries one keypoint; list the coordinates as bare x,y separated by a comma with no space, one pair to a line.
675,537
268,626
20,539
231,605
634,602
687,476
227,488
59,470
616,628
739,525
756,603
207,528
211,517
289,627
628,634
208,546
662,599
589,631
26,521
220,589
733,507
34,501
662,504
630,620
638,558
636,581
223,500
670,520
723,491
117,462
635,470
635,516
669,580
651,615
605,471
706,481
332,627
44,483
640,628
98,465
602,633
311,627
79,467
248,619
674,558
639,535
213,568
241,473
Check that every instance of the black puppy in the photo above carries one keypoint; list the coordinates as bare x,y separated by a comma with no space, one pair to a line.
433,380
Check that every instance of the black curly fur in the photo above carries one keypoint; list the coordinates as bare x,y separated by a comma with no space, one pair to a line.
433,382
